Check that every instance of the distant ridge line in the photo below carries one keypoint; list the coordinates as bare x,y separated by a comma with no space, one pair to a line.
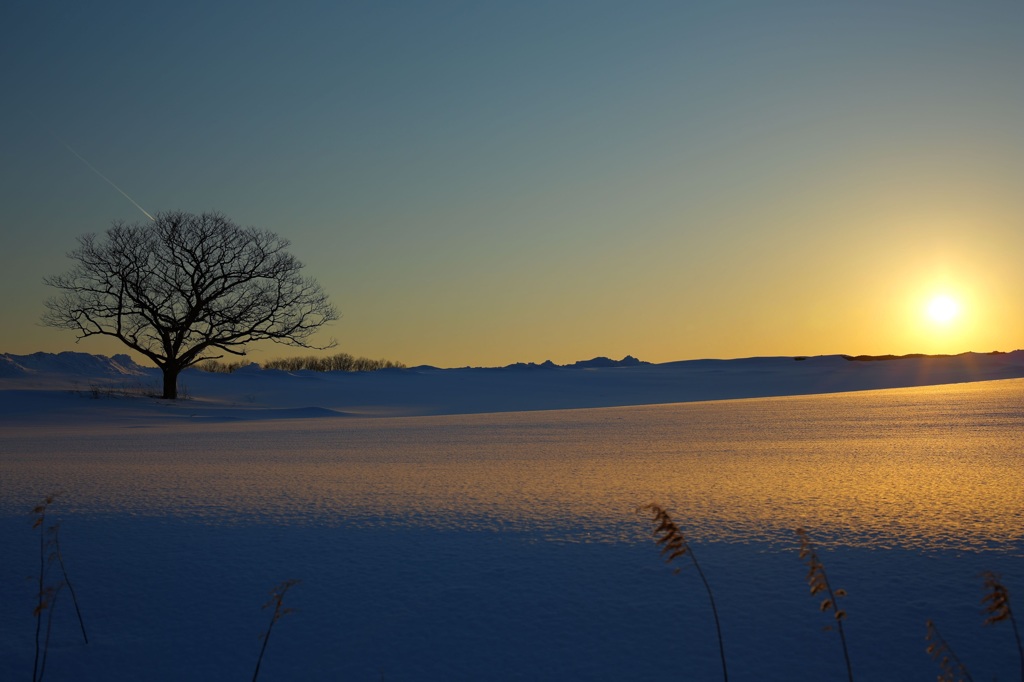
912,356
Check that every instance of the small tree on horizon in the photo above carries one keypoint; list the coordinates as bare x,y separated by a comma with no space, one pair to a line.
186,288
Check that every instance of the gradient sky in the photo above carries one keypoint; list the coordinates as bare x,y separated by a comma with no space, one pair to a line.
480,183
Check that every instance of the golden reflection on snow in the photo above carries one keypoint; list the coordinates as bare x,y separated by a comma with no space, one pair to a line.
929,468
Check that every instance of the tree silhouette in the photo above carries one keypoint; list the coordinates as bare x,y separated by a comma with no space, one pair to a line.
186,288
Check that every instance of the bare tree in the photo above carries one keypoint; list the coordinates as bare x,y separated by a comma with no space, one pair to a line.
187,288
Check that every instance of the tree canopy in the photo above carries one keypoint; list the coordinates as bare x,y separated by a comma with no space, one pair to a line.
186,288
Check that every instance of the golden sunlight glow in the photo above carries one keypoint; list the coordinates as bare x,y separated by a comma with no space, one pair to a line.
943,309
947,313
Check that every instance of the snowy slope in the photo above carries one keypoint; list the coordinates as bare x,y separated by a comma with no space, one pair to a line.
480,537
252,393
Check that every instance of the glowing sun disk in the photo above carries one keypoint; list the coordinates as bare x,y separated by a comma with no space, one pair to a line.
943,309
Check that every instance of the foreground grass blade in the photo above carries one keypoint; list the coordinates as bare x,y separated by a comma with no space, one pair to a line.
674,546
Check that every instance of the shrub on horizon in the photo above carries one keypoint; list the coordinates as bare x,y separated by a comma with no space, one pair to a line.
217,367
341,362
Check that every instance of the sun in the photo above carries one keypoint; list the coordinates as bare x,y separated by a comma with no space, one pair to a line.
943,309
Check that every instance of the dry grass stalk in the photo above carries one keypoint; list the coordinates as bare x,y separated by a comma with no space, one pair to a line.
46,598
46,602
67,579
817,579
277,600
998,609
674,546
950,666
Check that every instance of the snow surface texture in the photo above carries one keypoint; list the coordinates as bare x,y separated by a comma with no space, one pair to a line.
447,528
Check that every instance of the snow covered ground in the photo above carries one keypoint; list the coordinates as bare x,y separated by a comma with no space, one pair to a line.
479,523
46,388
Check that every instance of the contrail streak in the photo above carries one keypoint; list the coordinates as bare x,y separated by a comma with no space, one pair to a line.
109,181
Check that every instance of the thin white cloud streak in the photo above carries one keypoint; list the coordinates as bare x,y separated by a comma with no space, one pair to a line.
109,181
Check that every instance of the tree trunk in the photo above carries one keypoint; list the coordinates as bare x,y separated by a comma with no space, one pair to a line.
170,382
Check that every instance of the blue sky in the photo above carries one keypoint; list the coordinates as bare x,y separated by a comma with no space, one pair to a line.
483,183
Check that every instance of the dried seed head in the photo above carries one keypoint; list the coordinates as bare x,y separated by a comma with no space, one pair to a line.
998,598
817,581
950,667
667,534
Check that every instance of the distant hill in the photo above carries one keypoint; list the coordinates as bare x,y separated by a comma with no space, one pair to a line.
68,363
912,356
34,388
628,361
